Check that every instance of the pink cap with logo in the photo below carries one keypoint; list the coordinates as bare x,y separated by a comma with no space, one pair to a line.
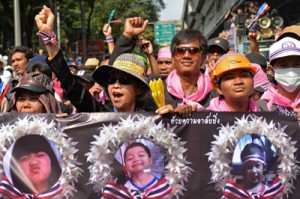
164,52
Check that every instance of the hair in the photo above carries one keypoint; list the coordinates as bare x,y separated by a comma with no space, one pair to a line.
135,144
32,144
186,36
22,49
42,67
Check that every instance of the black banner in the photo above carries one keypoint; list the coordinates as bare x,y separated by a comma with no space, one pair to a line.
197,131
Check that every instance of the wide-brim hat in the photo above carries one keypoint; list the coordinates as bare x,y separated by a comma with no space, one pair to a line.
293,31
4,62
35,82
127,63
91,63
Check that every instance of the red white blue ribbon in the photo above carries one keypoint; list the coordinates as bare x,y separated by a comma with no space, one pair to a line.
233,190
158,190
48,38
7,189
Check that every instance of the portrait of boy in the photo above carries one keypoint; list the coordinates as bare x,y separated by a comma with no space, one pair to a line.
140,179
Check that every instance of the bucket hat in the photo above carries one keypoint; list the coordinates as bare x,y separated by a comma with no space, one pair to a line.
127,63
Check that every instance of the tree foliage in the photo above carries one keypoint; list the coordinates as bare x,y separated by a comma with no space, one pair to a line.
96,13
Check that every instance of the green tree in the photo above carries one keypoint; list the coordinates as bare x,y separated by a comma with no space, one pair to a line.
96,15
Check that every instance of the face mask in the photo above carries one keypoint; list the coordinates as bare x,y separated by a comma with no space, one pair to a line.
288,78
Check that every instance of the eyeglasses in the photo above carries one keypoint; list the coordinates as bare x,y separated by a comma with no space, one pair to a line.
182,50
121,80
164,62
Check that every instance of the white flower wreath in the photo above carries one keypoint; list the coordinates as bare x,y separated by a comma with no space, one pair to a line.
104,147
223,147
35,125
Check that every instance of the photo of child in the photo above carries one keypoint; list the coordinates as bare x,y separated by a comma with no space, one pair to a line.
137,161
32,165
253,182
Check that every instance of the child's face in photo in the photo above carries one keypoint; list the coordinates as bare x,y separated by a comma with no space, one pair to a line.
253,172
36,166
137,160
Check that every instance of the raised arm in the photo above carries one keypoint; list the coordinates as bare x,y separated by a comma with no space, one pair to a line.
126,43
45,23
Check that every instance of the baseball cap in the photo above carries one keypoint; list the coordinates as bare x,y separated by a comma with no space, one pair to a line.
85,75
290,31
220,42
35,59
285,47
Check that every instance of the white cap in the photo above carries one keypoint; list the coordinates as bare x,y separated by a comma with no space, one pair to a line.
285,47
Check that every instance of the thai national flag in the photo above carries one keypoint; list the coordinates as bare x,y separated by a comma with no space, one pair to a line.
261,11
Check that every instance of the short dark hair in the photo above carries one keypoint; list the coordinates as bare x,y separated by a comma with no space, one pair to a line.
31,144
135,144
186,36
42,67
22,49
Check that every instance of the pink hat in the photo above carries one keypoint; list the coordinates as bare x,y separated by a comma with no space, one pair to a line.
164,52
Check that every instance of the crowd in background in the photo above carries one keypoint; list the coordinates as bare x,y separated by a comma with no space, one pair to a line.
197,74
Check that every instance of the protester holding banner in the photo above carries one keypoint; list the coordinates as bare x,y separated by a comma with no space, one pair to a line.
285,65
233,80
32,168
187,89
123,80
34,94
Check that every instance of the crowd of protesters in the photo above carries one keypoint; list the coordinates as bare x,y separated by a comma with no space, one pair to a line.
197,75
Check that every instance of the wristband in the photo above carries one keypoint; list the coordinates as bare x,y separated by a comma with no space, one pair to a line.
252,34
48,38
110,39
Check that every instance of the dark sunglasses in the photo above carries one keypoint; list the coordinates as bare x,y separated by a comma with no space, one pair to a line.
191,50
121,80
164,62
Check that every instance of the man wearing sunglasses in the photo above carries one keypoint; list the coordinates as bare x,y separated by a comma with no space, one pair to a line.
187,89
123,79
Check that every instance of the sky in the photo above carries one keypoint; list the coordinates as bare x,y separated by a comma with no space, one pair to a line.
173,10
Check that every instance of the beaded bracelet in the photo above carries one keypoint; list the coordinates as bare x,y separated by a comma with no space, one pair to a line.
48,38
110,39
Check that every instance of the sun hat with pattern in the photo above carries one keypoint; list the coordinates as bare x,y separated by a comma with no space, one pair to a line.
127,63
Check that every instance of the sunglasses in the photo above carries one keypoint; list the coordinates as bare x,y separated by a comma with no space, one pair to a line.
182,50
121,80
164,62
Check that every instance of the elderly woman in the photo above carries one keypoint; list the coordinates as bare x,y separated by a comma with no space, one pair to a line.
34,94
